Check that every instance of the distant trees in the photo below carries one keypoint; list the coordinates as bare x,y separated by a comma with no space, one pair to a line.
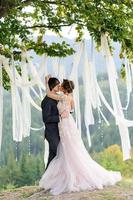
111,159
27,171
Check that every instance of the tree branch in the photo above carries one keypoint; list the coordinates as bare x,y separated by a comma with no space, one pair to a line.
48,26
6,7
79,22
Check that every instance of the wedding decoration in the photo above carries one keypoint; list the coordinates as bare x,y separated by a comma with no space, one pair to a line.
31,81
1,104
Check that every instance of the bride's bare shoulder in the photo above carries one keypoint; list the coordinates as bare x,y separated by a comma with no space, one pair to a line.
70,96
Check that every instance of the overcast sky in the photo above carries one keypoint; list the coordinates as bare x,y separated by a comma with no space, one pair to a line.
70,32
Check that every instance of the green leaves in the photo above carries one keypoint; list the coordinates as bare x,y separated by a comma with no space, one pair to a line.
123,72
22,19
6,79
54,49
106,16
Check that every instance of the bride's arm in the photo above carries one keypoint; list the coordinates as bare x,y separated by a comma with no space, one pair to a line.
55,96
46,83
48,92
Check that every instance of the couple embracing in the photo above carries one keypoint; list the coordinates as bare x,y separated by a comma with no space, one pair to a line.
70,167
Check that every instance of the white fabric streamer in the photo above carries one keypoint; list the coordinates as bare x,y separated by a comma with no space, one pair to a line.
128,82
35,79
42,71
35,93
55,66
26,111
103,116
17,81
61,74
1,104
46,152
112,75
74,77
95,100
17,119
37,129
88,114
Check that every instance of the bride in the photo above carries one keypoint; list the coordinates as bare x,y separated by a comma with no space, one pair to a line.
73,169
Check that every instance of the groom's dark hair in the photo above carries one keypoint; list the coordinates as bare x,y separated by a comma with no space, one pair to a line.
52,82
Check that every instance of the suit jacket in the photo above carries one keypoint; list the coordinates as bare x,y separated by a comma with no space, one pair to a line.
50,117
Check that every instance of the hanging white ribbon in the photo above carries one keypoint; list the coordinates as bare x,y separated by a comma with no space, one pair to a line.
128,82
37,129
35,93
1,104
18,82
55,66
74,77
61,74
17,119
131,67
42,71
26,111
112,75
35,78
46,152
34,75
95,100
88,114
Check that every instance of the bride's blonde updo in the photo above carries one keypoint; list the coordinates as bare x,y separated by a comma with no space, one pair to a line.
68,85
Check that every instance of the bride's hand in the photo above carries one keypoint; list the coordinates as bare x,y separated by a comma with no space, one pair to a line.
47,78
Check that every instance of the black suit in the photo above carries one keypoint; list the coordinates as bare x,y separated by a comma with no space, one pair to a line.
50,116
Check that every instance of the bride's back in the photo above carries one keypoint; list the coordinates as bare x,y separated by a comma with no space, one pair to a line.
65,104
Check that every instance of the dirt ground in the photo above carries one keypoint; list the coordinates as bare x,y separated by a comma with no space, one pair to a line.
112,193
122,191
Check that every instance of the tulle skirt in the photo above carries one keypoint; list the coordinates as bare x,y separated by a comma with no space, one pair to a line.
73,169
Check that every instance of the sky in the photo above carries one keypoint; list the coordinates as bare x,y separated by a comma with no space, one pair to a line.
70,33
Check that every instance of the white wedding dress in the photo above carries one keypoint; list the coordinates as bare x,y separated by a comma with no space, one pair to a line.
73,169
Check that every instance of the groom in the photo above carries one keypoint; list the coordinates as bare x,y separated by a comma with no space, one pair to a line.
51,118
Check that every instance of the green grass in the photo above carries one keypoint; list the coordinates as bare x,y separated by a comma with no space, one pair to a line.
45,198
126,183
108,196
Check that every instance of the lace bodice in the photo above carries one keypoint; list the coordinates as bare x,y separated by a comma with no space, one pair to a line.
63,106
